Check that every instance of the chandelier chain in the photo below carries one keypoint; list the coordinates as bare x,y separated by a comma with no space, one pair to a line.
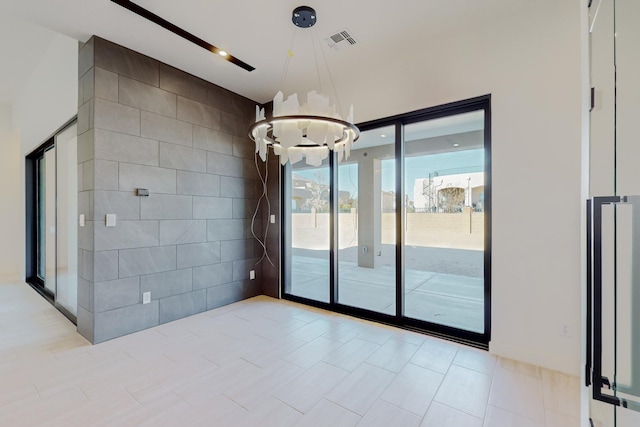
285,70
315,55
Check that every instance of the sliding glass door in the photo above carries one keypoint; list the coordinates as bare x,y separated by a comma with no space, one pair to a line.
366,224
309,231
52,233
399,232
444,222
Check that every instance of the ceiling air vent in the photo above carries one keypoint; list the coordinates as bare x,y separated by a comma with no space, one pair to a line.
340,40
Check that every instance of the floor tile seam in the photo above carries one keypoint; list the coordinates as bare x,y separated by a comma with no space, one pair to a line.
543,422
343,407
234,401
428,369
550,410
314,364
405,409
435,394
475,370
457,410
286,404
135,399
372,341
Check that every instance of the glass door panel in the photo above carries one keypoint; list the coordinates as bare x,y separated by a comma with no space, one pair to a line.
444,224
49,218
52,213
41,229
67,236
366,223
310,231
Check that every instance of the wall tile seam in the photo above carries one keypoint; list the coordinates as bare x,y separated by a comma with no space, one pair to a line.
192,291
123,133
159,87
111,130
127,53
86,131
140,108
96,311
144,164
185,147
83,76
126,305
193,124
130,78
103,312
110,100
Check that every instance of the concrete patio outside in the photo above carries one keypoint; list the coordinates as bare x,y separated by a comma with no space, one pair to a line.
432,291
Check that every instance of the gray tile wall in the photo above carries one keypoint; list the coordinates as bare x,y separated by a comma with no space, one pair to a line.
143,124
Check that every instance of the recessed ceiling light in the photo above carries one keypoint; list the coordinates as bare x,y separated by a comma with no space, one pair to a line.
222,53
456,145
383,136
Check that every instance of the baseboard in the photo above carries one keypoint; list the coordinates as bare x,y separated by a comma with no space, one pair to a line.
538,358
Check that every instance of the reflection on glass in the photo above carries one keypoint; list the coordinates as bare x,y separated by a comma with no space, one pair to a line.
67,235
626,345
444,235
310,220
366,223
50,220
40,217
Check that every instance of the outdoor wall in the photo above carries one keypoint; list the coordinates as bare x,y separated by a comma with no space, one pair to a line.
462,230
143,124
531,65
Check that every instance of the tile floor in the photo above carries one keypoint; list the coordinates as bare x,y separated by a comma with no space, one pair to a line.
262,362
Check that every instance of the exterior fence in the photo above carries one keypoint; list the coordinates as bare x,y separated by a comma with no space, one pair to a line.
462,230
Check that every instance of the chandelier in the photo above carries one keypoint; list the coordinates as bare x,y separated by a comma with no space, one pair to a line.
310,130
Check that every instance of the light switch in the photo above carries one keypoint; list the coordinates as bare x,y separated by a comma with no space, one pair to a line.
111,220
273,219
81,220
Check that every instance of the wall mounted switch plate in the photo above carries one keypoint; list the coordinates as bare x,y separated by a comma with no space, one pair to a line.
111,220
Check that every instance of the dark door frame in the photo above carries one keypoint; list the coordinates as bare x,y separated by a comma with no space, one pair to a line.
476,339
31,219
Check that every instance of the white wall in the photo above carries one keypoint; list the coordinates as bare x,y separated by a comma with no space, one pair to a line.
531,66
11,247
50,98
48,101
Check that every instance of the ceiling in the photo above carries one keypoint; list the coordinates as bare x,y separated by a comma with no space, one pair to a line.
258,32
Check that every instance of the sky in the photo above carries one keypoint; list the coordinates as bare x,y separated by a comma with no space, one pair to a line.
415,168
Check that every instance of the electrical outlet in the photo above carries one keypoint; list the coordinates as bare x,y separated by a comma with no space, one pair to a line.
146,297
565,330
252,274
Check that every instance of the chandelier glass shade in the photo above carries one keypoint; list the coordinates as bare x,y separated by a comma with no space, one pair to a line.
310,130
